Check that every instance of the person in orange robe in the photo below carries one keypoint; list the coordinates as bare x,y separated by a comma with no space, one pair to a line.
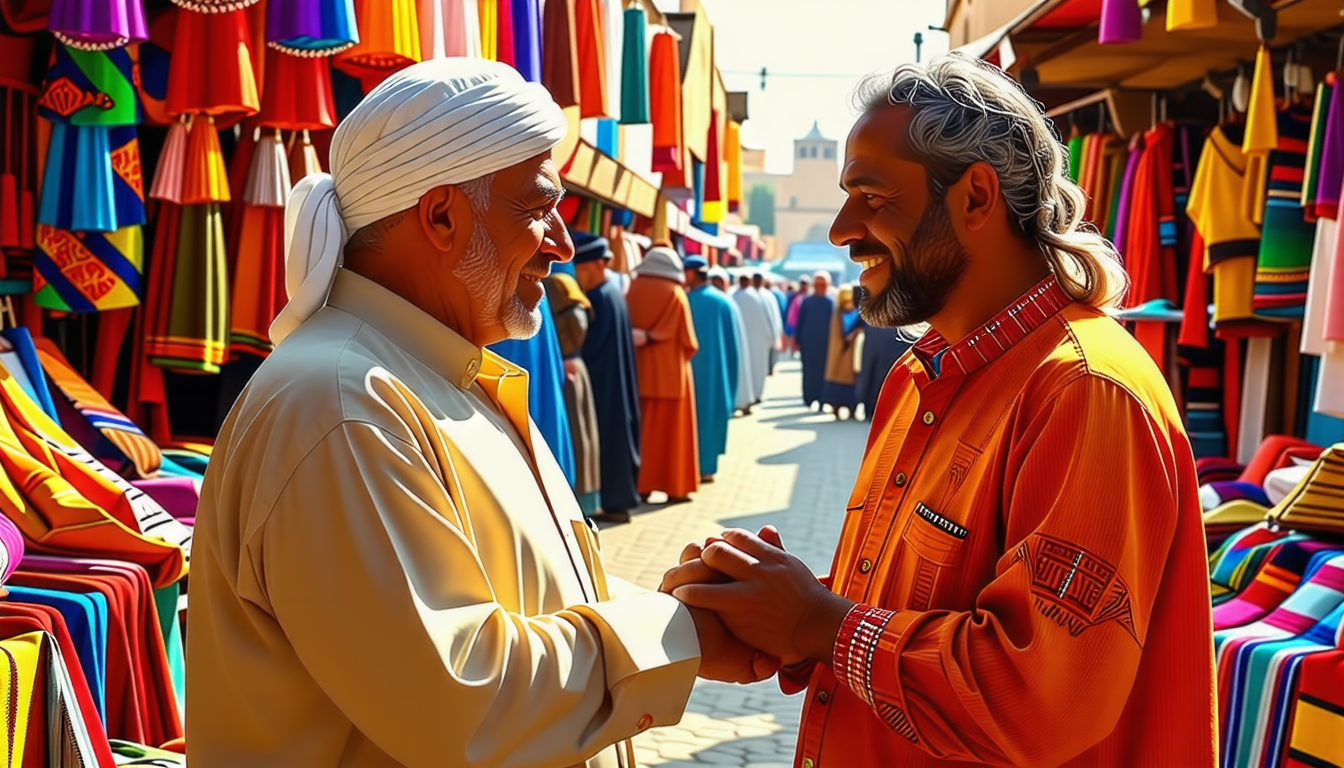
660,315
1021,577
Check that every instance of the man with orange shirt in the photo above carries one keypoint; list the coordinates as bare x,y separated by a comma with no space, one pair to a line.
1021,578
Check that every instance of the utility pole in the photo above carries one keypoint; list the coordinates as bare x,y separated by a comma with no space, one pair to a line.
762,78
919,41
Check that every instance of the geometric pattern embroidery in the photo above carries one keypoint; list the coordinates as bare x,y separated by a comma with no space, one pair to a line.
896,720
1074,587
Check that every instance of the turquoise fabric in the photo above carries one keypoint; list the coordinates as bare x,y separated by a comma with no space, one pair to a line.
86,616
715,368
165,602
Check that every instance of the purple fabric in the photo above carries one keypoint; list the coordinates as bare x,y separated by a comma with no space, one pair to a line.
1121,22
1122,211
1233,490
527,39
11,541
178,495
98,24
311,27
1331,173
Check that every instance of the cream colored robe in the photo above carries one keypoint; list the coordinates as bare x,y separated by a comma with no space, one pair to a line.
383,575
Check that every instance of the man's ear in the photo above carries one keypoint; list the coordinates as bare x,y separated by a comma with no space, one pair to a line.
441,213
975,196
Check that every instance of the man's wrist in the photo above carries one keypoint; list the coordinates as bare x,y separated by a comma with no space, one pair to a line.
825,625
855,647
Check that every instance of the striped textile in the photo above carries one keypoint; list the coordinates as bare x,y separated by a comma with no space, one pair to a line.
1318,713
190,327
1317,503
1321,593
126,439
1257,674
1236,562
1278,576
1287,239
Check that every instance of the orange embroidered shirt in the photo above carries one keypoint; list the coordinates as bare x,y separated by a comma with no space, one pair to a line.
1025,542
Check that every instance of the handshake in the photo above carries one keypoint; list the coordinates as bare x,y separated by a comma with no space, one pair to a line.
756,606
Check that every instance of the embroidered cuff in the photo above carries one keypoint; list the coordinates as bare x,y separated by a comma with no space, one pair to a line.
855,647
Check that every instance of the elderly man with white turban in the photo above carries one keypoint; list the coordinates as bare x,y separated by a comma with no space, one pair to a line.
390,567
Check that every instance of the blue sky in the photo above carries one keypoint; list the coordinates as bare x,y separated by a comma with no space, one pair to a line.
832,42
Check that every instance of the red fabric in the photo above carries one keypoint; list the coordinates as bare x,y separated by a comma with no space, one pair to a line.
17,618
559,47
1276,452
505,48
1195,323
211,67
112,328
665,103
298,93
592,55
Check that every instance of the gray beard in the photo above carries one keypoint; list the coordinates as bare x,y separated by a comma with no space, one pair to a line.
483,275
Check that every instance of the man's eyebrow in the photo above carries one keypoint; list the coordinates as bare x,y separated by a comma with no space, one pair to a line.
549,189
859,181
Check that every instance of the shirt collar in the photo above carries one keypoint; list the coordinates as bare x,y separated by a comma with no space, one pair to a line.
409,327
992,339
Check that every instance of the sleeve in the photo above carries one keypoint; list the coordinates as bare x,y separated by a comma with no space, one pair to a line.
1040,670
391,612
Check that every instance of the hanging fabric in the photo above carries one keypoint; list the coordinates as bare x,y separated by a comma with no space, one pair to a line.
1121,22
449,28
258,266
98,25
715,185
389,41
298,93
527,39
192,328
1262,136
665,103
732,145
505,48
489,24
559,50
635,67
1191,14
218,44
591,49
311,27
205,178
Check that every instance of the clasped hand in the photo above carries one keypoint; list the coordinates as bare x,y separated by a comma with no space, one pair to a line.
755,605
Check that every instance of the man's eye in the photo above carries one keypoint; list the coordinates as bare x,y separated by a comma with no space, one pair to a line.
540,213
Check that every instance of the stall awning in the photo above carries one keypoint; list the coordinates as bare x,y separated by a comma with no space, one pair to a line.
1062,45
590,172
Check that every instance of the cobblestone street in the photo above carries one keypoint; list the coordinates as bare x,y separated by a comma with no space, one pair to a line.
786,467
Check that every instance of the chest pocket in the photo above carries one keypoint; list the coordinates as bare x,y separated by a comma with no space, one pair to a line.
930,543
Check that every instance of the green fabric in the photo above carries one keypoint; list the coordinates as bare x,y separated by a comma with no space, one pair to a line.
1312,172
1075,157
110,77
165,601
635,69
198,319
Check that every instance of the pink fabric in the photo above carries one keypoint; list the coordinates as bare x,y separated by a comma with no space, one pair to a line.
12,542
178,495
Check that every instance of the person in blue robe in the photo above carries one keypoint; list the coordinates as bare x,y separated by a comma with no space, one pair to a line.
609,352
540,357
813,332
882,347
715,365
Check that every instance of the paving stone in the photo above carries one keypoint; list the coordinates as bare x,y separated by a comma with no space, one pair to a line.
785,467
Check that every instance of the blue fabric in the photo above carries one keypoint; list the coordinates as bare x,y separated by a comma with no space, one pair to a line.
608,138
813,333
540,357
86,617
715,366
527,38
609,353
22,341
881,349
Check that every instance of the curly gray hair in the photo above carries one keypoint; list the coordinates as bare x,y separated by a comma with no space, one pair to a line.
967,111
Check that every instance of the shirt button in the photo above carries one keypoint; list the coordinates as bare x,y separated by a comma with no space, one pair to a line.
865,566
644,722
900,480
809,763
823,697
928,418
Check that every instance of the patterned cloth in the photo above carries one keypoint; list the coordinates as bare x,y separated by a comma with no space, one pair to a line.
1279,575
1318,715
1286,244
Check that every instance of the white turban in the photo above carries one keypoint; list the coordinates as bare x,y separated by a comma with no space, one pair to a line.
444,121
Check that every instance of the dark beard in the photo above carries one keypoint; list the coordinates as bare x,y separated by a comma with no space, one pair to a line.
929,267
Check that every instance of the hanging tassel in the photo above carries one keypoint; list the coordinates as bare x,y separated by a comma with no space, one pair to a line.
303,158
205,180
214,6
172,164
1121,22
9,186
268,180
